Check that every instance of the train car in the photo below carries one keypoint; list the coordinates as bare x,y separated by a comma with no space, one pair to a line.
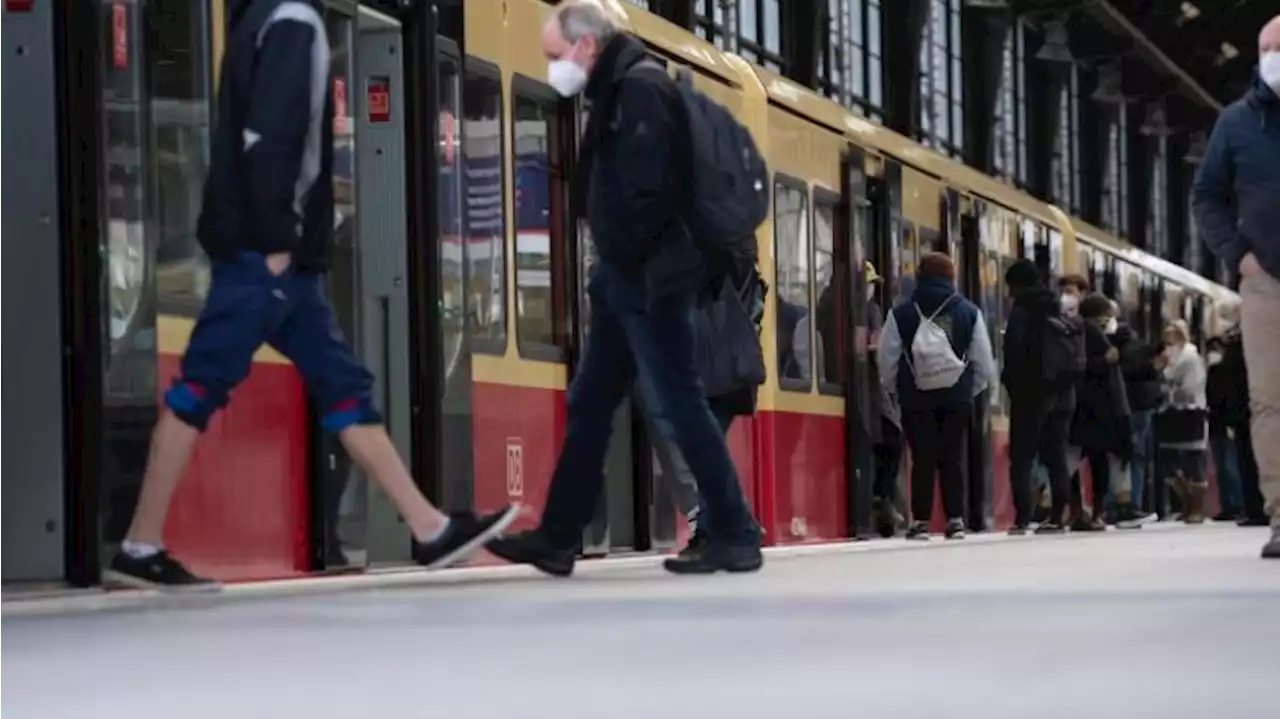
459,276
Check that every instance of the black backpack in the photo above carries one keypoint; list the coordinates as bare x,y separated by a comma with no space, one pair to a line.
729,179
1062,345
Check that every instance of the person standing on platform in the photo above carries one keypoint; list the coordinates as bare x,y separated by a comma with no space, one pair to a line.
267,226
935,356
1228,408
643,294
1234,198
886,429
1145,390
1041,388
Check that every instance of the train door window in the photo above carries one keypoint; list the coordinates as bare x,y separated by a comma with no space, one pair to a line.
906,264
483,240
829,269
541,146
1055,249
1194,313
794,293
1130,288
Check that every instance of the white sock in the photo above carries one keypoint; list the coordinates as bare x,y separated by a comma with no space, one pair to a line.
436,535
139,550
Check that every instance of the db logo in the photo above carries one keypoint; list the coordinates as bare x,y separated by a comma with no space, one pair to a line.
515,468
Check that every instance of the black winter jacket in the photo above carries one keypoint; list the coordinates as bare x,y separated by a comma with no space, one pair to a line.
1227,388
630,178
1101,421
1143,382
270,182
1023,371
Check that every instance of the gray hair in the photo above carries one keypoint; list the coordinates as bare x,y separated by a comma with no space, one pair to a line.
580,18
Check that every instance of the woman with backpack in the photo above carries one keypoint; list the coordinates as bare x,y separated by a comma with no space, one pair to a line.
935,358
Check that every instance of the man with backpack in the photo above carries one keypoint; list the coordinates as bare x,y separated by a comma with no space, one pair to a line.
935,357
1044,357
673,190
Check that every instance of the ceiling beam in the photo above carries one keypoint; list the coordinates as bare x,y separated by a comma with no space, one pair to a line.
1114,19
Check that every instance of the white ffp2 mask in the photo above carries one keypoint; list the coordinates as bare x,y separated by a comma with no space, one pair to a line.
566,77
1269,70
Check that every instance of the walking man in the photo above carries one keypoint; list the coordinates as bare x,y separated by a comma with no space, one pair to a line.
266,225
1234,198
643,292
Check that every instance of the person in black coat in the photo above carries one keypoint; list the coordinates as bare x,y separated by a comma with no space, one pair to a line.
1145,390
1100,426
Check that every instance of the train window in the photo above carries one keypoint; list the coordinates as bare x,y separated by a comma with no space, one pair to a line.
539,144
794,305
483,241
830,316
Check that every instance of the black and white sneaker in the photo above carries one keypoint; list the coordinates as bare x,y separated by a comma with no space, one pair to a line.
156,571
465,534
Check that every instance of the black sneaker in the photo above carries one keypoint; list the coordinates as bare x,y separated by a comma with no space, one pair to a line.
1018,530
1127,517
918,531
1051,528
466,533
535,549
157,571
1254,520
697,542
715,556
955,529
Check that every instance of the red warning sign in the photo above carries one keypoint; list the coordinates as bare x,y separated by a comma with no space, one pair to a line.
120,35
379,98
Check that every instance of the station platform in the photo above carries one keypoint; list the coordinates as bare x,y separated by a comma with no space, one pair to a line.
1169,621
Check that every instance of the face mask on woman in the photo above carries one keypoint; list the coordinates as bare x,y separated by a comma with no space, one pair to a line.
1070,303
1111,325
1214,357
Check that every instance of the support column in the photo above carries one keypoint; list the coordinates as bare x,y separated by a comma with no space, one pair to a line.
803,24
1139,179
902,30
1178,195
1092,122
983,35
1044,86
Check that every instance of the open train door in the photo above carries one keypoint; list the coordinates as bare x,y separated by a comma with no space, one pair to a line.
861,417
964,229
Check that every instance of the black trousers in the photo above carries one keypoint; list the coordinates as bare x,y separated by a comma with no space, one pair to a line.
937,438
1100,471
1038,427
888,452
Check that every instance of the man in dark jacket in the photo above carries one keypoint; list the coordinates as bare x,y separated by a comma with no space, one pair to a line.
936,418
1234,199
267,226
1145,391
642,293
1039,415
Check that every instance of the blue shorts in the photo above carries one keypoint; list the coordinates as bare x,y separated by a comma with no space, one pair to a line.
247,307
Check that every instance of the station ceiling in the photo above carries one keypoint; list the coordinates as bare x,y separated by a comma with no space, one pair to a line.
1201,53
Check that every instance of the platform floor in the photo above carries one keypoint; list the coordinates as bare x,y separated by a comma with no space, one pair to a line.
1183,622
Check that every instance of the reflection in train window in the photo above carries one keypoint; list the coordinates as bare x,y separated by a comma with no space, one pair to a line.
540,204
830,288
791,247
483,240
179,118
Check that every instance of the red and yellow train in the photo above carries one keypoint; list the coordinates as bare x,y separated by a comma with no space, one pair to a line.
845,190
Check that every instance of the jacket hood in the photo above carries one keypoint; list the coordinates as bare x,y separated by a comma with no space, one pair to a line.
1039,301
930,292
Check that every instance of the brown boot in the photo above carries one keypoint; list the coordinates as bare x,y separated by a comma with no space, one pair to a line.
1196,492
1179,487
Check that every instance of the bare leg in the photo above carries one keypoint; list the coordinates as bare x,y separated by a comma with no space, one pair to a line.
372,449
171,445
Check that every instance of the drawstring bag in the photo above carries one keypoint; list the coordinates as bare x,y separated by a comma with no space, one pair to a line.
933,361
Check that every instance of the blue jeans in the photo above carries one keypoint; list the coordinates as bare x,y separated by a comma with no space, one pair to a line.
632,337
1227,463
1143,441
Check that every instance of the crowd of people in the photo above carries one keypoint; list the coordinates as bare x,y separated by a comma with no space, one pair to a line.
1084,389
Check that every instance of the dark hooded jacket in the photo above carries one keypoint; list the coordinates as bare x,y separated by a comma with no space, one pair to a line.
1227,387
625,187
270,182
1143,382
1101,421
1235,193
1023,371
